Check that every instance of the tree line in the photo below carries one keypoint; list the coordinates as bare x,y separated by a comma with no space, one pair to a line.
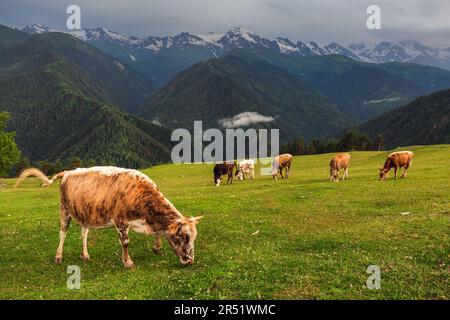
51,167
12,162
350,140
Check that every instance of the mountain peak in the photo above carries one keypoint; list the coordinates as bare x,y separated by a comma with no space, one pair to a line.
241,30
37,28
217,43
238,36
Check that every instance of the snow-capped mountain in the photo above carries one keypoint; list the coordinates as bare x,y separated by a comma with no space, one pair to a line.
37,29
132,49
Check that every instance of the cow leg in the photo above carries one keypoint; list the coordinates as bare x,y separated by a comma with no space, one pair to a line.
84,235
281,173
230,177
395,172
65,221
287,171
158,244
124,241
346,173
405,172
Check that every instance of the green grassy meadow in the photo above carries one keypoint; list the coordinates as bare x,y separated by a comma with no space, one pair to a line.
301,238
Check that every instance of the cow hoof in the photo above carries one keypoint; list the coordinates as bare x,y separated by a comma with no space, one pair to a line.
129,265
85,257
58,260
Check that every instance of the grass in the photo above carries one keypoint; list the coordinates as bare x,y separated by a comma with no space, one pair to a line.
315,241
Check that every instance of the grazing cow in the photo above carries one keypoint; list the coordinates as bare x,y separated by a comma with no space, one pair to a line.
104,197
246,167
221,169
396,160
338,162
279,162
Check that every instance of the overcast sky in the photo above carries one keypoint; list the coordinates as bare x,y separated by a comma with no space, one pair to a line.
323,21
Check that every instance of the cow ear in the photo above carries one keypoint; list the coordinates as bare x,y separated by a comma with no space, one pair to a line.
173,227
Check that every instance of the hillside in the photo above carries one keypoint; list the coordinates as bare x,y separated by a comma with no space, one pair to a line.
59,111
363,90
241,82
116,82
360,90
120,84
10,36
426,120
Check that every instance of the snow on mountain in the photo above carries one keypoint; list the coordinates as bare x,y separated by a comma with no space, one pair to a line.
216,44
334,48
286,46
316,49
37,29
212,38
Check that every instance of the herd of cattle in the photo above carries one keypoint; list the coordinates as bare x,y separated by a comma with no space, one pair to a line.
341,161
107,197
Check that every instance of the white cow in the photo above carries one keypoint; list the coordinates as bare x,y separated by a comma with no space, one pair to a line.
246,167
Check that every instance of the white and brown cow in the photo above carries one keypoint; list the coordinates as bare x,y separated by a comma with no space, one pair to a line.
338,162
280,162
396,160
246,167
104,197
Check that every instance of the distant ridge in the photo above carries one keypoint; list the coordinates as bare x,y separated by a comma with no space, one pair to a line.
132,49
426,120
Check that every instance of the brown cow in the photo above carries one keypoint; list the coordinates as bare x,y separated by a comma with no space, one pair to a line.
396,160
104,197
338,162
279,162
221,169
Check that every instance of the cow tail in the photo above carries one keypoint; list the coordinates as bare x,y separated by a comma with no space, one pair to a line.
34,172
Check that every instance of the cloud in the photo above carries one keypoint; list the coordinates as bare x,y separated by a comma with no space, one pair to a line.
244,119
323,21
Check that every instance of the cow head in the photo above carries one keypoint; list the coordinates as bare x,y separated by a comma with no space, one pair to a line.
217,180
181,235
240,175
383,173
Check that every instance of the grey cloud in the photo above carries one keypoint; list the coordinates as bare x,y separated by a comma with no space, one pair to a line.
320,20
